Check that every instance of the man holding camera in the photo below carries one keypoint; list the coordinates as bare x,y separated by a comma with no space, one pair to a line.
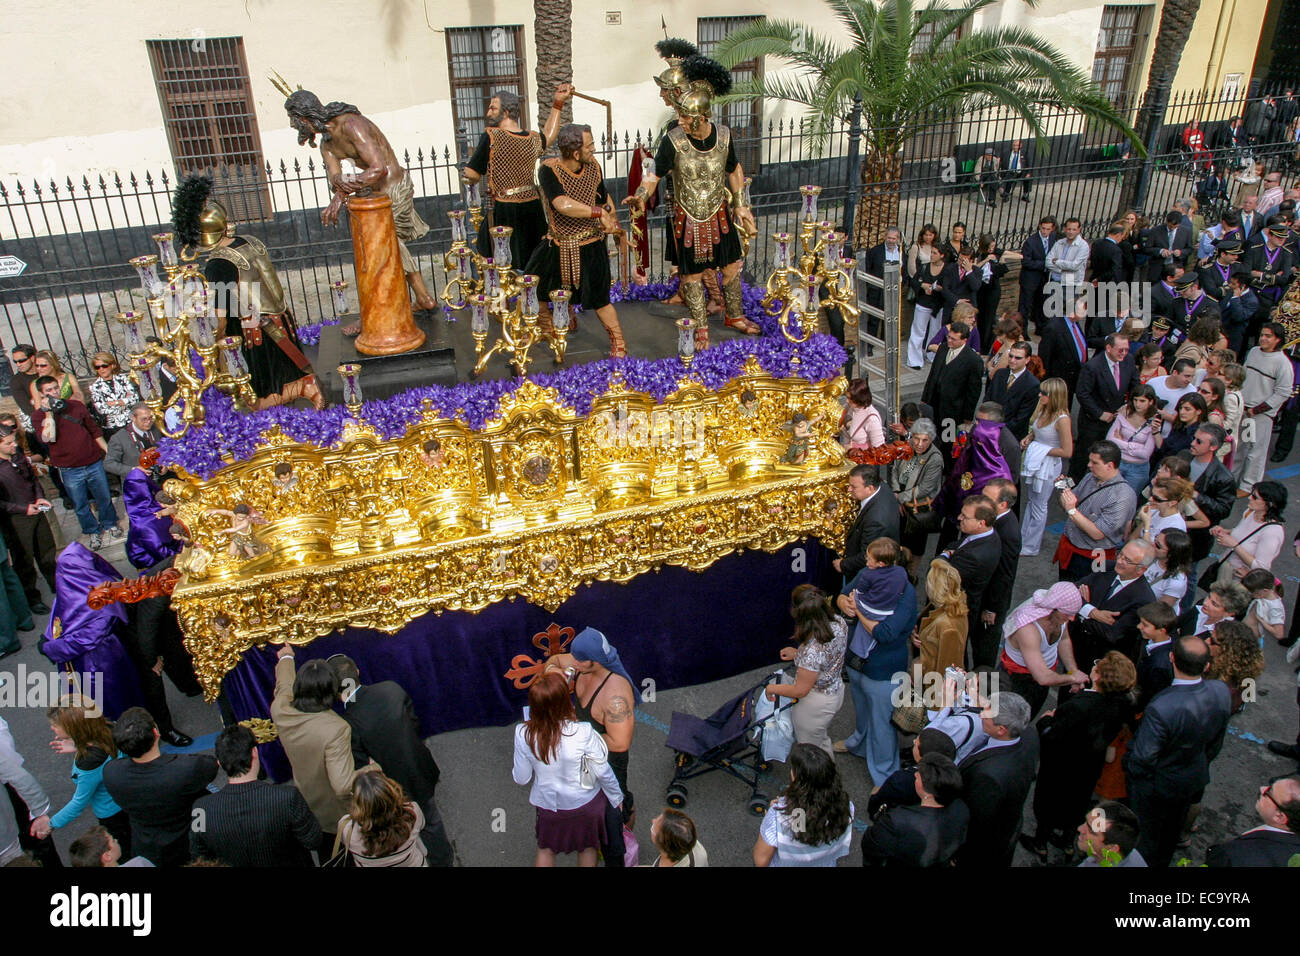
77,449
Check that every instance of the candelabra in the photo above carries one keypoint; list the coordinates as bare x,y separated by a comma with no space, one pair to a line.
184,315
794,288
500,292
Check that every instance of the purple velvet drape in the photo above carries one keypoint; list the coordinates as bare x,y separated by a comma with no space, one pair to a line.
149,539
676,627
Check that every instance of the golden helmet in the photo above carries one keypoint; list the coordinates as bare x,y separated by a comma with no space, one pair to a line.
672,80
214,223
696,101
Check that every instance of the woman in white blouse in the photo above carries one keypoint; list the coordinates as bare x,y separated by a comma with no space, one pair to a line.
1257,539
810,824
1168,573
568,764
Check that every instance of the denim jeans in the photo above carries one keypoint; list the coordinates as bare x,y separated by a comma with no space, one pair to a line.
83,482
874,738
1136,473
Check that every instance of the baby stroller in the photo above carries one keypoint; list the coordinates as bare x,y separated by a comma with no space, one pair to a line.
730,739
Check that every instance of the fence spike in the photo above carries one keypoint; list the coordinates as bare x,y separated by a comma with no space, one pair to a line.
166,180
117,181
132,180
419,154
54,188
72,190
36,187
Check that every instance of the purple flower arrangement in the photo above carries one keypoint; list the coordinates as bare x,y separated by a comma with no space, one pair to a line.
228,436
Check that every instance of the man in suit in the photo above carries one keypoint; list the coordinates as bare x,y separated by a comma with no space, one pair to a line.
1275,841
1216,489
1014,388
1108,620
891,250
1104,382
1110,828
1171,243
1252,222
126,445
1163,293
1105,259
1193,306
1238,307
877,518
1006,526
1158,625
1214,276
997,778
1168,763
251,822
1064,348
156,790
386,730
953,385
1033,273
929,833
1015,166
989,167
317,741
960,282
975,557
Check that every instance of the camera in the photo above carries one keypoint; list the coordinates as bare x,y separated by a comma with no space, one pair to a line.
958,675
1065,481
57,404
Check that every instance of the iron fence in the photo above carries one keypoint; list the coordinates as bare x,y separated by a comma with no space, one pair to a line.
76,237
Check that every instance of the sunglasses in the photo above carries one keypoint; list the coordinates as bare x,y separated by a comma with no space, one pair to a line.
1159,501
103,366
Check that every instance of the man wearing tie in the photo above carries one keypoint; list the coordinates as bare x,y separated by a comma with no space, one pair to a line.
1214,277
1016,390
1103,384
976,556
1252,223
891,250
1108,620
1033,272
127,443
1064,350
1016,167
1171,243
1106,259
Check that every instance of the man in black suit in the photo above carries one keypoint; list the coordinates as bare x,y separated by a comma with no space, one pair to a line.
1158,625
960,281
1238,307
251,822
1064,348
997,778
877,518
975,557
1014,388
1015,166
929,833
1108,620
1275,841
1171,243
386,730
1104,382
1033,273
998,596
1163,293
1216,489
953,386
1168,763
1105,258
891,250
1215,274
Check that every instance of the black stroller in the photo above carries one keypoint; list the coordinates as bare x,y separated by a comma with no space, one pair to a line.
729,739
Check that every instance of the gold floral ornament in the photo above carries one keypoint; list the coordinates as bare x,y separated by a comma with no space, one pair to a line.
264,730
524,669
967,481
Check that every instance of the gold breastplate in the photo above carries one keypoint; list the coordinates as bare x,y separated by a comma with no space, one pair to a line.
254,265
700,177
511,159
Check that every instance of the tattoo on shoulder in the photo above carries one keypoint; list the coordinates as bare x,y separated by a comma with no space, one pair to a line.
618,710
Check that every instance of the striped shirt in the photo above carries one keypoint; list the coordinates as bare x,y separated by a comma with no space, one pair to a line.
1109,506
257,824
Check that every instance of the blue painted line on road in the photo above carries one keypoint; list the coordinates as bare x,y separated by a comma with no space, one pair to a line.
201,744
1286,471
650,720
1246,735
1055,528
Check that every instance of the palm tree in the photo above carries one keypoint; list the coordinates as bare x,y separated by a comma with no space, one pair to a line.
905,83
1176,20
553,29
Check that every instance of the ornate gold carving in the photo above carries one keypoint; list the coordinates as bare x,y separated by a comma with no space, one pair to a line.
541,500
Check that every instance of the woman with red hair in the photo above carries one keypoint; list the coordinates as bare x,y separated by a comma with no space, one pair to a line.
568,763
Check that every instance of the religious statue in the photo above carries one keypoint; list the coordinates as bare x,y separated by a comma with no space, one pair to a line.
243,540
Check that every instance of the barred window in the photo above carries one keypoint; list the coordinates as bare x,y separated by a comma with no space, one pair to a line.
211,123
923,43
744,119
481,61
1121,45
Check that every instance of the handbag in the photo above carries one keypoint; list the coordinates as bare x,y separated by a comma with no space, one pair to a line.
586,776
1211,574
923,520
341,855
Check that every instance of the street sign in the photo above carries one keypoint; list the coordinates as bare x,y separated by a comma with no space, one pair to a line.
11,266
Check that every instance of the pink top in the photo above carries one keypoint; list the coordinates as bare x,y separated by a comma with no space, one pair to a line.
1265,545
865,429
1136,445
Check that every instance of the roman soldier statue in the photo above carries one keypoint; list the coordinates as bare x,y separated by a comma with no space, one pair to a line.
245,285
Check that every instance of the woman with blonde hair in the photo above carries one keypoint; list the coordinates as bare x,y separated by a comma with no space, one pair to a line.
941,637
1164,511
45,363
112,394
80,729
1046,450
383,825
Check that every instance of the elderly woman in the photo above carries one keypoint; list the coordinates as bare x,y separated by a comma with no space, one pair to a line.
1036,639
1073,740
915,483
112,394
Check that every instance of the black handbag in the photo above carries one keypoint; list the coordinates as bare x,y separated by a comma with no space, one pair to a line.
1211,574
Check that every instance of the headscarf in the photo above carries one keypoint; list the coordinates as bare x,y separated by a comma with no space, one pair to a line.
1062,596
591,645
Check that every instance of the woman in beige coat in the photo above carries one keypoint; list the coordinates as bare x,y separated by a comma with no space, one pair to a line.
941,636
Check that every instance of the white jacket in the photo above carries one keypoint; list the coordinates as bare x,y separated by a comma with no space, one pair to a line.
556,784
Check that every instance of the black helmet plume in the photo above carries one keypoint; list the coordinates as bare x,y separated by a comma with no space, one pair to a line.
676,47
187,204
704,68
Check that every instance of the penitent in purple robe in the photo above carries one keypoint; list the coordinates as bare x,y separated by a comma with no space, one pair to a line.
980,461
149,539
90,642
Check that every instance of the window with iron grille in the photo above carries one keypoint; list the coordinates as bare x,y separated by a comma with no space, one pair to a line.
923,43
211,124
744,119
1121,45
481,61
